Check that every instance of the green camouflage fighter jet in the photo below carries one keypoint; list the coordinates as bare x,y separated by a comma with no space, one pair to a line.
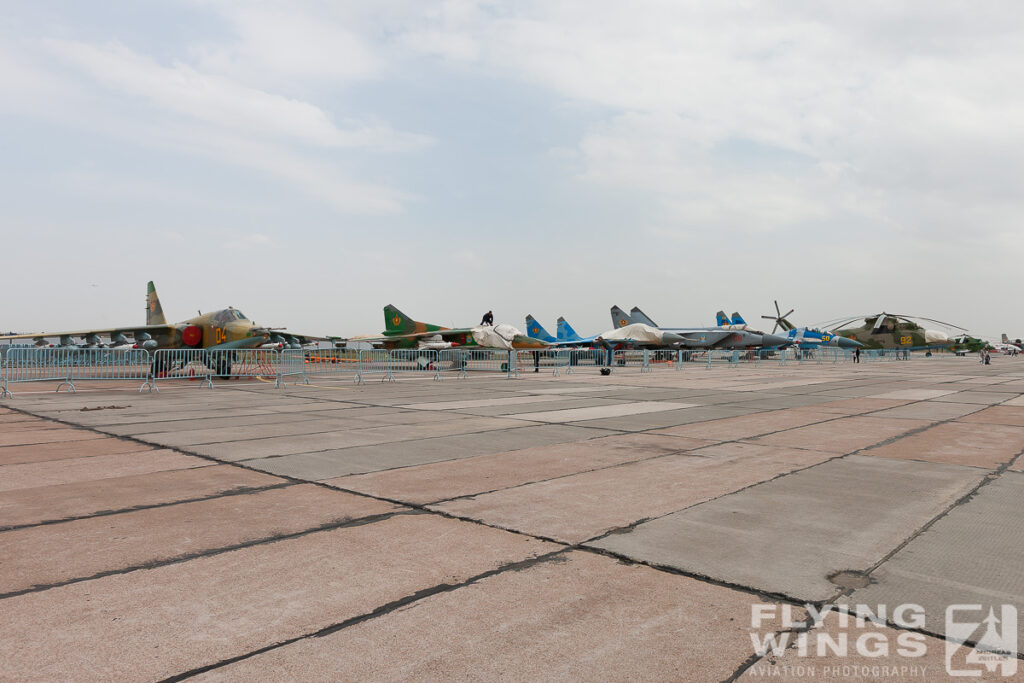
224,329
402,332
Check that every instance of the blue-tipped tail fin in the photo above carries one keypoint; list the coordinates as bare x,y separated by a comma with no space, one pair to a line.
535,330
720,319
737,319
566,333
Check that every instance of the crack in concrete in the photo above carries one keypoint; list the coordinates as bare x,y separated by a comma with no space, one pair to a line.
237,491
211,552
382,610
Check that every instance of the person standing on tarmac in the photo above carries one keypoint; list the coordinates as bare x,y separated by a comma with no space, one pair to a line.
488,319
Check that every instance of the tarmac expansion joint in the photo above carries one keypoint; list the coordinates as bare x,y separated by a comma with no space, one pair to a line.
382,610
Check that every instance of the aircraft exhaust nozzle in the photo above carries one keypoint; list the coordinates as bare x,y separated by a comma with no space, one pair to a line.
775,340
847,343
669,339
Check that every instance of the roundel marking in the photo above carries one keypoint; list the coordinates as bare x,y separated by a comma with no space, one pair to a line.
536,330
622,323
397,320
192,335
152,305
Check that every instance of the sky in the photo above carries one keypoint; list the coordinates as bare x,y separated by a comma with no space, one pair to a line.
309,162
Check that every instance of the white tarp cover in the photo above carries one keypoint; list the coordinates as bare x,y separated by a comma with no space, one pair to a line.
935,337
497,337
638,332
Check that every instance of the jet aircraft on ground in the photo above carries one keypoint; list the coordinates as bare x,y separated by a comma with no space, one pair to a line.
803,337
227,328
402,332
566,335
702,337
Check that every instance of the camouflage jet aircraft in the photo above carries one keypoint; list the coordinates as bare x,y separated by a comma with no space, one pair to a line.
224,329
402,332
894,331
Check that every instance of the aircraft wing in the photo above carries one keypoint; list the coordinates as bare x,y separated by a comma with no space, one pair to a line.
102,332
453,335
583,341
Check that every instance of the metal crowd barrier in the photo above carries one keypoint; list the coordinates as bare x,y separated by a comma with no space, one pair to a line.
292,363
546,360
331,362
38,365
69,365
374,362
188,364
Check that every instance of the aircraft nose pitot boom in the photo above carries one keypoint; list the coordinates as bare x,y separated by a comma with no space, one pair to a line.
847,343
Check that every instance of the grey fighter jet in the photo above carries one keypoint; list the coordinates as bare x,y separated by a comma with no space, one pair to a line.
702,337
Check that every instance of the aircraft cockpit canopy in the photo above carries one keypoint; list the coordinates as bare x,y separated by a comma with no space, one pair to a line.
228,315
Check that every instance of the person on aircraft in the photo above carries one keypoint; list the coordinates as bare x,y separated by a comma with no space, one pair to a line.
488,318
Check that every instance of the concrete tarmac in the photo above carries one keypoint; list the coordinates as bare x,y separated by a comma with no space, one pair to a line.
682,525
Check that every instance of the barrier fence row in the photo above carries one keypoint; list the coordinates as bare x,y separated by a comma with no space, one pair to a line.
68,366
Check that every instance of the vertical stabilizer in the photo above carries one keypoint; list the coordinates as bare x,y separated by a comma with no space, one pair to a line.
619,317
737,319
638,316
535,330
566,333
154,311
720,319
396,322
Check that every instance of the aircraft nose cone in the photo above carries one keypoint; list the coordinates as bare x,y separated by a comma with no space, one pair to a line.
521,341
847,343
774,340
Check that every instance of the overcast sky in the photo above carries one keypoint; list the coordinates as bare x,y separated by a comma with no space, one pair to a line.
310,162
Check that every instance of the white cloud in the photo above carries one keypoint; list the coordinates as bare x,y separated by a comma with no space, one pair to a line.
279,43
212,99
902,116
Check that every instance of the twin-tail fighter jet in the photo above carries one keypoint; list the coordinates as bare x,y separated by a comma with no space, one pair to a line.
696,337
566,335
227,329
402,332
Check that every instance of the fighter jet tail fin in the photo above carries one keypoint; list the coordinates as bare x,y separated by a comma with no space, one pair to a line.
737,319
638,316
154,311
396,322
1006,340
535,330
721,319
619,317
565,331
